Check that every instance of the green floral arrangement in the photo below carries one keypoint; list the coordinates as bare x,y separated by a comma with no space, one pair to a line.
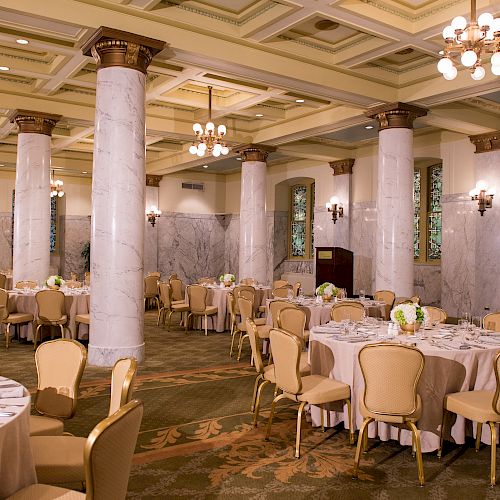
327,289
408,314
227,277
55,281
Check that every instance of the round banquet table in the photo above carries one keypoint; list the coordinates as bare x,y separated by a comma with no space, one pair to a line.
77,301
319,313
447,369
217,296
17,469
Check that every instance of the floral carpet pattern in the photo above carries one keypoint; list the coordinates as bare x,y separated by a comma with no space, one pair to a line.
197,439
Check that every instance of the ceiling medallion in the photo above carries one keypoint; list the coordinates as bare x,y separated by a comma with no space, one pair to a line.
471,41
326,25
207,141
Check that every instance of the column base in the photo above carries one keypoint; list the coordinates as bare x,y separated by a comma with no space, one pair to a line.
108,356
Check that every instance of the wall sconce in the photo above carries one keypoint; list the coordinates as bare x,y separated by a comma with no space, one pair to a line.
153,214
336,208
483,196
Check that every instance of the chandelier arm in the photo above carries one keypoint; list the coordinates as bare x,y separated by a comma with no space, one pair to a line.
473,16
209,103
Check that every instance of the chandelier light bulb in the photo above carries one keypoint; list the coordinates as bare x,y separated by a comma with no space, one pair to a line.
193,149
334,200
479,73
489,35
210,127
473,192
495,59
481,185
451,75
444,65
202,146
197,128
448,32
200,152
221,130
60,194
469,58
495,70
495,25
216,152
459,23
485,19
224,150
218,147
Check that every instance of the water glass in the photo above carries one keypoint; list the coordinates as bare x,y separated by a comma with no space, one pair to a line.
361,294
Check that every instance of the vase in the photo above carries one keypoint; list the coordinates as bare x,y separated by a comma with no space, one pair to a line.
327,298
228,283
411,328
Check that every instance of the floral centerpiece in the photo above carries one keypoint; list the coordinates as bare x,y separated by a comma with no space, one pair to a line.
55,282
327,291
409,317
227,279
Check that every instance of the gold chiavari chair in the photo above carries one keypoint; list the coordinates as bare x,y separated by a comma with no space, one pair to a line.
492,321
388,297
197,297
436,314
354,311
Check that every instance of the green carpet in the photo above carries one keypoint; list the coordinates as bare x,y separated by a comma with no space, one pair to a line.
197,441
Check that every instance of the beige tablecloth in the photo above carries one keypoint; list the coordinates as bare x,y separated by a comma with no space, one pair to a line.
75,303
17,469
446,371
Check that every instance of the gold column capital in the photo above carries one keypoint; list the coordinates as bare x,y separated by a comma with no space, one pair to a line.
34,122
341,167
153,180
395,115
486,143
111,47
254,152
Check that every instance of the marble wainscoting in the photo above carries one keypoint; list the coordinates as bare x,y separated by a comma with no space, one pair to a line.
191,245
231,244
363,229
299,266
458,250
5,240
74,232
279,248
427,284
323,228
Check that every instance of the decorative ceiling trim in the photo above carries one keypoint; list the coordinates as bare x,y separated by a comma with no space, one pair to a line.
23,81
27,59
153,180
341,167
322,48
485,143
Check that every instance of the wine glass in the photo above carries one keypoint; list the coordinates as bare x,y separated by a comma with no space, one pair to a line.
361,294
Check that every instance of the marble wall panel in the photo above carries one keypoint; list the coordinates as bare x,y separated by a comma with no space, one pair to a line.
427,284
74,231
5,240
150,233
458,260
299,266
231,244
279,250
323,228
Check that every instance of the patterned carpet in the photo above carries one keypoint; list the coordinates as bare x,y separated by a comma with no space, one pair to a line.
197,441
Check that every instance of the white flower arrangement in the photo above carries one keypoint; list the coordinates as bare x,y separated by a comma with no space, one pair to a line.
55,281
408,314
327,290
224,278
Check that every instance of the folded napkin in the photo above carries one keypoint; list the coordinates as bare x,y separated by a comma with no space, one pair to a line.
12,392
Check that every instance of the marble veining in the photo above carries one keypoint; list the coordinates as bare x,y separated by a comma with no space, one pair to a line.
279,250
74,231
5,240
32,209
427,284
118,212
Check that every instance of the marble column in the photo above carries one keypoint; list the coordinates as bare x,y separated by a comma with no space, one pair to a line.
151,232
32,204
118,195
342,183
394,237
253,225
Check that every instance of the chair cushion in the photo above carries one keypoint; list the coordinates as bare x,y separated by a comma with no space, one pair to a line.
45,426
392,419
15,318
83,318
263,331
473,405
61,321
46,492
260,321
177,302
58,459
317,389
180,307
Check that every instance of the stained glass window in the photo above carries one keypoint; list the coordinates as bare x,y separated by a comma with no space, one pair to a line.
416,213
434,222
301,221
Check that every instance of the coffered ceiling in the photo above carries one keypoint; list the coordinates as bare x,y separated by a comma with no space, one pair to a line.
340,57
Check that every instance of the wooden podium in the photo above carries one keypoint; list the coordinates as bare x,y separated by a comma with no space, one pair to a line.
335,264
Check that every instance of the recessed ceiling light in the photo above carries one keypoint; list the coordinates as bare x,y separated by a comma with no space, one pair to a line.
369,127
299,100
259,115
22,41
2,164
4,68
205,166
239,158
84,172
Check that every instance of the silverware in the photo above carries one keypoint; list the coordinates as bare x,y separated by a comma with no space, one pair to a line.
8,406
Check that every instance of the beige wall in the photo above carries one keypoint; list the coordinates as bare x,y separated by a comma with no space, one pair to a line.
78,195
7,182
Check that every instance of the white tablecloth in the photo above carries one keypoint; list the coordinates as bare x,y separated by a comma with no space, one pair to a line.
75,302
17,469
446,371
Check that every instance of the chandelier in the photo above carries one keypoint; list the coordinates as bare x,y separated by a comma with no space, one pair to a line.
471,41
56,186
207,141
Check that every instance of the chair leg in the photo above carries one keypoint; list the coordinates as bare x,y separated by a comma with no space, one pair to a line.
257,402
36,336
351,423
169,322
242,338
493,469
233,335
160,312
444,423
255,387
357,456
189,316
7,335
479,431
322,413
271,414
61,327
206,326
299,422
420,465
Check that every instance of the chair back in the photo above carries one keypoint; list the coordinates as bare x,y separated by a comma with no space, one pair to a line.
248,281
173,276
282,292
246,309
275,307
296,288
256,345
286,348
3,280
156,274
436,314
280,283
150,286
26,284
87,278
165,294
402,300
73,284
243,291
293,320
50,305
231,305
4,300
354,311
492,321
391,373
122,383
415,299
197,297
385,296
496,397
108,453
176,285
207,280
59,365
